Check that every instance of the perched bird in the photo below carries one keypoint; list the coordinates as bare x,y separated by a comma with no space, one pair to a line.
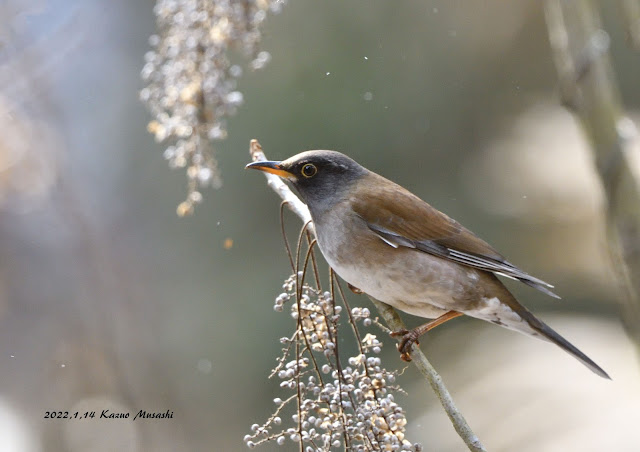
387,242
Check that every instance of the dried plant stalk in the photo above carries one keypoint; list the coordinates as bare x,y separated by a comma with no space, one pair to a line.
191,83
336,403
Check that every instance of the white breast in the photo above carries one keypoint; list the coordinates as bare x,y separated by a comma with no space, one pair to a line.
395,282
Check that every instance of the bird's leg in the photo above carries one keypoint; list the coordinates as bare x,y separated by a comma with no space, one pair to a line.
411,337
354,289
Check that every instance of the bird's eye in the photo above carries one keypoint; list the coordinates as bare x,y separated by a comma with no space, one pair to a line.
309,170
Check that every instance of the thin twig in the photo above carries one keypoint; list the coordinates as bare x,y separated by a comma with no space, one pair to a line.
339,368
284,236
316,274
352,322
310,350
285,354
387,312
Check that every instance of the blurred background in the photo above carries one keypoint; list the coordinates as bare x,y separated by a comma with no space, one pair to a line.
108,300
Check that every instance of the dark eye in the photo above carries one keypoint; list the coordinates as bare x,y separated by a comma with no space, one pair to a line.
309,170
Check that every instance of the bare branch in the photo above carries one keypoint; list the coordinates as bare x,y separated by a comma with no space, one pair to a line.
580,50
419,360
387,312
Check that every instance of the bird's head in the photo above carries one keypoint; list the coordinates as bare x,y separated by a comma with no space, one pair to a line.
321,177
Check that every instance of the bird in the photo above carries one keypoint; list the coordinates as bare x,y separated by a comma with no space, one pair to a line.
387,242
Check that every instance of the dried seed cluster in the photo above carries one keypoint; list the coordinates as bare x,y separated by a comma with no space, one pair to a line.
191,83
334,405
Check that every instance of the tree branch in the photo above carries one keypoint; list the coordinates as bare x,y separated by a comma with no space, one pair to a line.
387,312
588,86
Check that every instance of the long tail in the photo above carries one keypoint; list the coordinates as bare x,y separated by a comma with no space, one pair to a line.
506,311
549,334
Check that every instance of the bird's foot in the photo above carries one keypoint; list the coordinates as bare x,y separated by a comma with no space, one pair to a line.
354,289
409,337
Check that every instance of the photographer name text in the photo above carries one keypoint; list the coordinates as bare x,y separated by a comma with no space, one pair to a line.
108,414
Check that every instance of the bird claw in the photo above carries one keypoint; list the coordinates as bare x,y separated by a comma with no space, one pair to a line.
406,357
354,289
409,337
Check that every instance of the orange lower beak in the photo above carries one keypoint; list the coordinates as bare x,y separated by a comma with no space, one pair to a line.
271,167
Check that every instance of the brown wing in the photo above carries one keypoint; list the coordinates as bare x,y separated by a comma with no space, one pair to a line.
403,219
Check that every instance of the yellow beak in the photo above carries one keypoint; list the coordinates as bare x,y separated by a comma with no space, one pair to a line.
271,167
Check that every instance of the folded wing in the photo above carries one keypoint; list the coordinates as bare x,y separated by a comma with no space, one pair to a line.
401,219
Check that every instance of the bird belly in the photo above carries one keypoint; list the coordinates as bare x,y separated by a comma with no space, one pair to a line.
407,279
423,288
429,288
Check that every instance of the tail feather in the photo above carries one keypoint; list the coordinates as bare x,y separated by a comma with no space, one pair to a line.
549,334
506,311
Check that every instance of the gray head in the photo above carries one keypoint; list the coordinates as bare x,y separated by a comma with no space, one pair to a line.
321,177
